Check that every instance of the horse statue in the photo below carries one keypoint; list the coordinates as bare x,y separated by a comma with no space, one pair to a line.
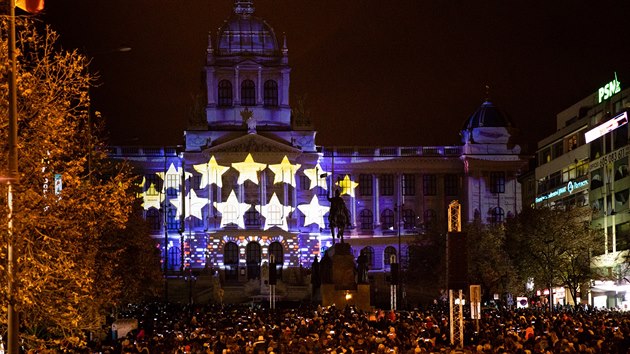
338,216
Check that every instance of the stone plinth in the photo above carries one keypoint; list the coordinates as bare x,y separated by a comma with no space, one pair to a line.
340,287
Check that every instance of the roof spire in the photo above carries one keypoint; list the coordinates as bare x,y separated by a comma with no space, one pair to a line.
244,7
487,93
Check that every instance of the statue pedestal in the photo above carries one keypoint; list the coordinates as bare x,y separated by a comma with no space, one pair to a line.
342,288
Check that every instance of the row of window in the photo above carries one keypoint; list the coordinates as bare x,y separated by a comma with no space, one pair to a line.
248,93
386,184
253,258
253,254
561,147
562,177
252,218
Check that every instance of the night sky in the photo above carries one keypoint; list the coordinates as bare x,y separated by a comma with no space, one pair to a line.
401,73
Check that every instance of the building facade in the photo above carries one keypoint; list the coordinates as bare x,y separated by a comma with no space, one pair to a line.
251,183
585,163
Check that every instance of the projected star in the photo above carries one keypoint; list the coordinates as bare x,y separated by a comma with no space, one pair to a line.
193,203
284,172
211,172
248,169
152,198
172,170
314,212
347,186
275,213
314,175
232,211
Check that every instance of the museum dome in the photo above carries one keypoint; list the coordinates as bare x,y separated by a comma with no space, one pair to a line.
245,34
487,116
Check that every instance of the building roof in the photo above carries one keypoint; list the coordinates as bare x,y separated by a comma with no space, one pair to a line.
487,115
245,34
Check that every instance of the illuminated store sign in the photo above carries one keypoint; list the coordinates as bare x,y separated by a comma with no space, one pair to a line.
571,187
606,127
607,91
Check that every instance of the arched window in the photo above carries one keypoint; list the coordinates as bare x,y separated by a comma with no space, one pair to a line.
253,256
251,218
153,219
497,215
225,93
387,256
230,261
274,215
248,93
369,254
409,219
275,249
387,219
172,222
367,220
271,93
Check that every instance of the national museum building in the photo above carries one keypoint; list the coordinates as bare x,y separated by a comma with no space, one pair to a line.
251,183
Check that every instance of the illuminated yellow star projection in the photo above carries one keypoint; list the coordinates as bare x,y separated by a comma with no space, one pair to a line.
274,213
284,172
248,169
314,175
194,205
314,212
232,211
211,172
347,186
151,198
172,170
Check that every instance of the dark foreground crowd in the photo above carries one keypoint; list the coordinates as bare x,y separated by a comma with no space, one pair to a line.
307,329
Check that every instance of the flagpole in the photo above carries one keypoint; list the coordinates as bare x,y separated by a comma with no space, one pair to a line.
12,321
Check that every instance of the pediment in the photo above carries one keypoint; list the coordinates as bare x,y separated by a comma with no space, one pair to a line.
253,143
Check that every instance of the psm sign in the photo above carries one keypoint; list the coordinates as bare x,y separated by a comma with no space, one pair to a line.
607,91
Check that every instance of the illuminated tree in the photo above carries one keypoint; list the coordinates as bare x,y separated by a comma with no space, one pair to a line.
59,232
553,246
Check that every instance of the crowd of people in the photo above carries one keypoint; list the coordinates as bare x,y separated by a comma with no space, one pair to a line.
171,328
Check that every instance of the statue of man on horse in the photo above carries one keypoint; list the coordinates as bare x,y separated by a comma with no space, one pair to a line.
338,216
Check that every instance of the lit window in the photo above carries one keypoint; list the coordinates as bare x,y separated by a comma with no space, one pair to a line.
387,184
271,93
367,220
248,93
387,219
497,215
252,218
153,219
408,184
365,185
387,255
172,185
497,182
225,93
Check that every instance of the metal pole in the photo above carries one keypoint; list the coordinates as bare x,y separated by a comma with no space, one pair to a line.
12,321
164,220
